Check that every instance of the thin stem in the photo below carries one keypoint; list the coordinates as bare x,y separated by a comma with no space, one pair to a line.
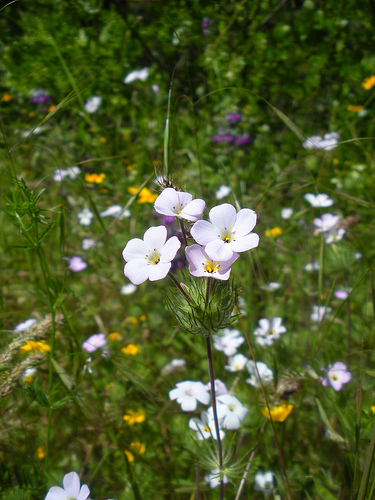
216,420
180,288
368,467
183,232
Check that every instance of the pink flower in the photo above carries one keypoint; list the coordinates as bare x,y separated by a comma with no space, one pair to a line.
200,264
151,257
178,204
337,376
77,264
228,232
94,342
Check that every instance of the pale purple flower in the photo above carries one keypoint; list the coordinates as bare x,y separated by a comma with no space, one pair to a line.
179,204
287,213
205,427
72,172
236,363
264,481
230,412
85,217
155,88
337,376
341,294
222,192
228,232
320,200
243,139
328,142
336,234
151,257
175,365
233,118
188,394
93,103
40,96
214,478
71,490
326,223
268,331
77,264
319,313
88,243
265,373
201,265
21,327
220,387
95,342
137,74
228,341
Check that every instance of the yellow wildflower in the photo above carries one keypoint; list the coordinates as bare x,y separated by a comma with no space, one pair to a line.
373,409
355,108
31,114
103,139
6,98
138,447
129,455
33,345
278,413
145,196
114,336
274,232
41,452
95,178
51,108
134,417
368,82
130,350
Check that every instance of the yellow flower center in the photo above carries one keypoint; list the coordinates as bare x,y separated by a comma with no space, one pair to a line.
153,257
211,266
227,235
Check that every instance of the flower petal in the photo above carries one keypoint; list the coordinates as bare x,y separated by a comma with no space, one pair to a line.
137,271
155,237
71,484
56,493
134,249
245,242
246,220
219,250
203,232
169,250
223,216
193,210
84,493
159,271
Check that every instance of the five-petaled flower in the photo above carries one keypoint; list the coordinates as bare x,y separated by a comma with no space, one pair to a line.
205,427
94,342
228,342
200,264
188,394
72,489
337,376
227,233
178,204
230,411
268,331
151,257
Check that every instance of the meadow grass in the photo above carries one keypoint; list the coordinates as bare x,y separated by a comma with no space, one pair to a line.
222,105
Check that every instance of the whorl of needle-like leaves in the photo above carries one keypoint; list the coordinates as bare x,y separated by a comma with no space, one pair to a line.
200,315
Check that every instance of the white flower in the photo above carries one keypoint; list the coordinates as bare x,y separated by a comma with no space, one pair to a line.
319,313
128,289
59,175
269,331
150,258
272,286
88,243
312,266
214,478
264,481
236,363
73,172
326,223
155,88
85,217
222,192
93,103
328,142
29,372
228,341
319,200
205,427
174,366
265,373
287,213
230,412
227,233
179,204
21,327
71,490
334,235
116,211
201,265
220,387
137,74
337,376
188,394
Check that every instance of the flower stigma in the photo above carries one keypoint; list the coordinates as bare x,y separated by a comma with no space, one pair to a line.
210,266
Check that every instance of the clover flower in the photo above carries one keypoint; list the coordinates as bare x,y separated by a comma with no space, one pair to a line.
214,478
265,373
228,232
337,376
264,481
201,265
320,200
179,204
71,490
230,411
228,341
85,217
188,394
205,427
94,342
151,257
268,331
137,74
236,363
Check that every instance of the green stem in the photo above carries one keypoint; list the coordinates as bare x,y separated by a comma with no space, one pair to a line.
216,420
368,467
